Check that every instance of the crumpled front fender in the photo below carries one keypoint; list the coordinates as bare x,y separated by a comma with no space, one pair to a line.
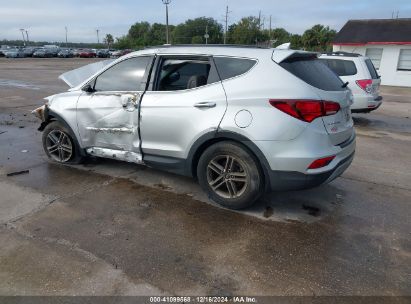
42,113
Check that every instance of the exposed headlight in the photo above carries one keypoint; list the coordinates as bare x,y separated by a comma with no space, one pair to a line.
39,112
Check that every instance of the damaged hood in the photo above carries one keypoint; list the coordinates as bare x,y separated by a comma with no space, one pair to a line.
78,76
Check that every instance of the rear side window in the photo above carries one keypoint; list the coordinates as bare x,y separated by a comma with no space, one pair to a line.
177,74
232,67
341,67
314,72
371,69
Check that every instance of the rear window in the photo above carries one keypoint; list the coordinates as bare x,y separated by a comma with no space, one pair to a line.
371,69
341,67
314,72
232,67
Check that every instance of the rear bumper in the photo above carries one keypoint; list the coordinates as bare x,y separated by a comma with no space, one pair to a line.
287,180
281,180
366,104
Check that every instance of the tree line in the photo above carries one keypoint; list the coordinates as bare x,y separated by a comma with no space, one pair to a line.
248,31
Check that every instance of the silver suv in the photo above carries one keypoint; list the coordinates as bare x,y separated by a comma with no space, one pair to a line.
362,78
241,120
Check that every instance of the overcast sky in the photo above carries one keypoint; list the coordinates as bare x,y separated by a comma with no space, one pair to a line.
46,19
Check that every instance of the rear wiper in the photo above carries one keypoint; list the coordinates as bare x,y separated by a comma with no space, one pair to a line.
345,85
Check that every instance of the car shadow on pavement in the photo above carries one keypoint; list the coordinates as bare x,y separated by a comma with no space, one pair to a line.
308,206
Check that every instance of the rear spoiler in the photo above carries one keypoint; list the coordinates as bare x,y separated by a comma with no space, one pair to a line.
280,55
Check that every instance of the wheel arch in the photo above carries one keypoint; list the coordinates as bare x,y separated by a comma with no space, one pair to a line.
209,139
50,116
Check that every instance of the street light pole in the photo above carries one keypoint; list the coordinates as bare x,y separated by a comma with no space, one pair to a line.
22,33
166,3
66,34
98,37
27,36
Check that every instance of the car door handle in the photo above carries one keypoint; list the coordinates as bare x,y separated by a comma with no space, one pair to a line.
205,105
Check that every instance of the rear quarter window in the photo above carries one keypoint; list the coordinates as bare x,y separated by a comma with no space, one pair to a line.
314,72
341,67
231,67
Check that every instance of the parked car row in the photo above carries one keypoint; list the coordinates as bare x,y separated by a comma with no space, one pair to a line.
55,51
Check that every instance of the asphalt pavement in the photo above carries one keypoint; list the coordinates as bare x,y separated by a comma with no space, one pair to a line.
113,228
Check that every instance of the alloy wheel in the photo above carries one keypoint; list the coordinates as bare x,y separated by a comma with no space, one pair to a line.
226,176
59,146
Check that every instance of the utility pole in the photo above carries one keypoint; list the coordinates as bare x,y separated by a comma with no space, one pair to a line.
259,27
166,3
98,37
226,24
270,28
22,33
206,36
66,35
27,36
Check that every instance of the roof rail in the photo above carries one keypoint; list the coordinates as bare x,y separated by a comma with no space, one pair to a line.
341,53
206,45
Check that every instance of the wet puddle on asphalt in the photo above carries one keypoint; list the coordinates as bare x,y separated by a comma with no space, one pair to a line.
18,84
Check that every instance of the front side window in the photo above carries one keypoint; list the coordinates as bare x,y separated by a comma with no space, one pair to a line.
124,76
404,61
341,67
181,74
375,55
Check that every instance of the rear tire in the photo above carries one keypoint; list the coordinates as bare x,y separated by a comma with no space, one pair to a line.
60,144
230,175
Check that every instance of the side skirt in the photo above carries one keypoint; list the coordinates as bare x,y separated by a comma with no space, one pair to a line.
131,157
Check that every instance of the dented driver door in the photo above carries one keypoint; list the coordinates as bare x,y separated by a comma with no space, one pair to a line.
108,110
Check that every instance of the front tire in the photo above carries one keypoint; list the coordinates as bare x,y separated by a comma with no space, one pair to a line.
60,145
230,175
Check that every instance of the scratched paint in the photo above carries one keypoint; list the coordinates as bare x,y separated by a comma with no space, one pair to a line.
112,130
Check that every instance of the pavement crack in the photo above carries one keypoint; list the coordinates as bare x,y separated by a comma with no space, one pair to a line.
373,183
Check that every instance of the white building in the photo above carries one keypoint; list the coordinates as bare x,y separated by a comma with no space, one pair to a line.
387,42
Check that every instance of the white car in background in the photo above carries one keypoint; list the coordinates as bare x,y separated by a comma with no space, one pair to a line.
362,77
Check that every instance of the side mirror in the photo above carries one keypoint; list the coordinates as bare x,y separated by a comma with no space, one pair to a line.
88,89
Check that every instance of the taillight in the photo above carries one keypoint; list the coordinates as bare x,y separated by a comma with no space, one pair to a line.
306,110
365,84
321,162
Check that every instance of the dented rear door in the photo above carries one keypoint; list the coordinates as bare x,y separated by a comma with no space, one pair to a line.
108,116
